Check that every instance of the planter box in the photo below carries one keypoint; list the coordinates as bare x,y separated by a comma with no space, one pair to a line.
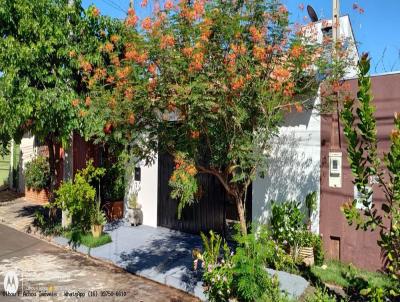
303,254
41,197
114,210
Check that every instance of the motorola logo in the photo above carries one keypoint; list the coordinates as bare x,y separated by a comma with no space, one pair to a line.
11,283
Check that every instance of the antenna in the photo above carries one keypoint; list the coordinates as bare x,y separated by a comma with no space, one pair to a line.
336,20
311,12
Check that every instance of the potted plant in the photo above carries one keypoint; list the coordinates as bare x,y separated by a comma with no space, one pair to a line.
135,214
98,220
37,180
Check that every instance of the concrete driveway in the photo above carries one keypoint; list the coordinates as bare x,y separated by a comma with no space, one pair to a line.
45,268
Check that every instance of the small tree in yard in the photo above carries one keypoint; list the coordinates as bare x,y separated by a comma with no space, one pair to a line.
41,80
37,82
208,82
365,162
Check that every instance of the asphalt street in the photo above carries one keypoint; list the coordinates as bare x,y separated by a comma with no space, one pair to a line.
48,273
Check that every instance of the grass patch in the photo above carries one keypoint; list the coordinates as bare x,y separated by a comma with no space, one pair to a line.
340,274
87,239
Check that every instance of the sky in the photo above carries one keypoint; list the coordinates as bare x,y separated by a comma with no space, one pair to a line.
375,26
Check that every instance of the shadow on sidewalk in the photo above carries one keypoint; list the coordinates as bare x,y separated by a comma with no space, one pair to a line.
7,196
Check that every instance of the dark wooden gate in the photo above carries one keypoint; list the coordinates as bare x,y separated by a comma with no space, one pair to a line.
208,213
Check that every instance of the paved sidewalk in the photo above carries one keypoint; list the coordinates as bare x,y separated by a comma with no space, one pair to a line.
16,212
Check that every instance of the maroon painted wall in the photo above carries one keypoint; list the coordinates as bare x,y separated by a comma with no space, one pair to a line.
356,246
84,151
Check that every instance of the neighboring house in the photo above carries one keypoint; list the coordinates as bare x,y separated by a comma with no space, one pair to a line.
5,171
27,153
68,161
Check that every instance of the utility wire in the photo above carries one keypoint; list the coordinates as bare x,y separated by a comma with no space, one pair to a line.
114,5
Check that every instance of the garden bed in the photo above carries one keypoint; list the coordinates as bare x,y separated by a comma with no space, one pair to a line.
340,274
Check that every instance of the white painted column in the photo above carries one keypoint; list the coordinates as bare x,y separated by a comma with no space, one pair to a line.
146,190
68,172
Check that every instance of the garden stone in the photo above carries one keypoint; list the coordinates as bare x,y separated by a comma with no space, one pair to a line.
293,285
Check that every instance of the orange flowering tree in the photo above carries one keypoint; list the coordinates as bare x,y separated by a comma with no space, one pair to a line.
209,81
116,76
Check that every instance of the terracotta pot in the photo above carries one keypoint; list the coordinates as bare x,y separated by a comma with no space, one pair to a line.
114,210
97,230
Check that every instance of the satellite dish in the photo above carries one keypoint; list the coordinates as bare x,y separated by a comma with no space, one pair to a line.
312,13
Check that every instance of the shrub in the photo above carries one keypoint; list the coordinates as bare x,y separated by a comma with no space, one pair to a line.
286,220
319,255
321,295
218,274
366,162
276,257
45,224
251,280
241,275
78,196
37,174
362,288
311,204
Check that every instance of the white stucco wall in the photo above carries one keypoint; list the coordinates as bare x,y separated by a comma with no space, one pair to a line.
294,161
147,192
293,168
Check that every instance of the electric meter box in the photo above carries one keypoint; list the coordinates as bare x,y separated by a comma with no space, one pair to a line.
335,169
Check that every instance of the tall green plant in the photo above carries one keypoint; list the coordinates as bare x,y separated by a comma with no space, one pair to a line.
251,280
361,133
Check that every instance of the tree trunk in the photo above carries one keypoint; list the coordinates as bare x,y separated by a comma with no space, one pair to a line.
52,164
236,193
242,215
